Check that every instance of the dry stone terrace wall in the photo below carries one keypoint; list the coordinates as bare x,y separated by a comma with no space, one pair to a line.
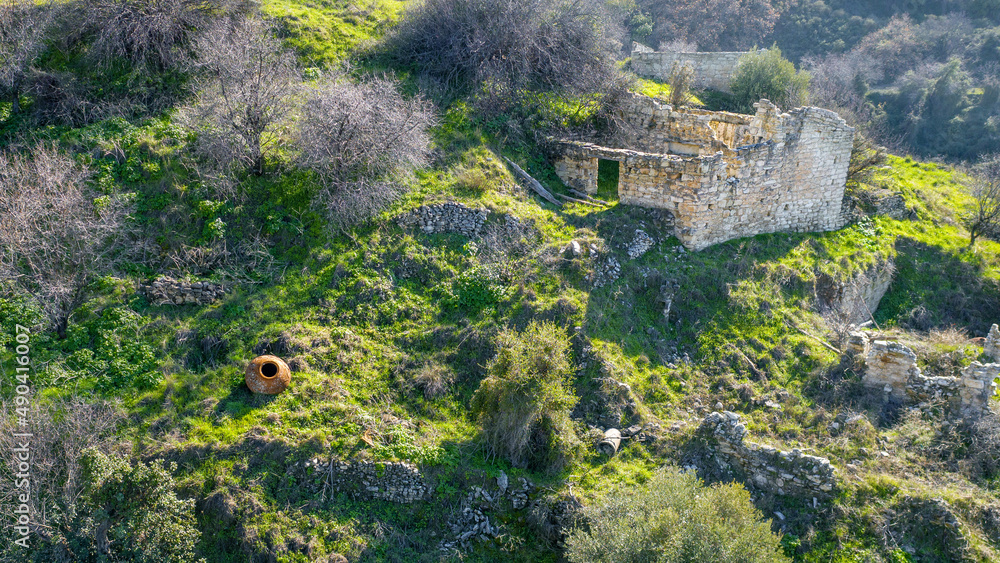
892,369
397,482
711,70
790,473
447,217
168,291
724,175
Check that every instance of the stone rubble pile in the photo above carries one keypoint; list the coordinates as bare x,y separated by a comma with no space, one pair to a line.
640,244
169,291
790,473
472,523
449,217
398,482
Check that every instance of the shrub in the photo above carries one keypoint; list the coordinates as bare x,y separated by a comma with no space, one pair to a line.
153,32
674,518
61,430
510,47
523,404
131,513
716,25
23,26
984,216
353,131
766,74
681,79
57,239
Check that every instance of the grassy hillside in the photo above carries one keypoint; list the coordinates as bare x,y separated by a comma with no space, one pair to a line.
371,316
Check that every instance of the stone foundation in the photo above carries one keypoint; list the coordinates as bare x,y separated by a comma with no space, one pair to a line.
168,291
892,368
723,175
785,473
447,217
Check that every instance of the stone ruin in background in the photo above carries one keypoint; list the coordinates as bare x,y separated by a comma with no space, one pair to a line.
711,70
892,368
723,175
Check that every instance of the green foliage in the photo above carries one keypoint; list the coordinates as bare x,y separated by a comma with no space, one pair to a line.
476,289
107,352
764,73
673,518
523,404
134,508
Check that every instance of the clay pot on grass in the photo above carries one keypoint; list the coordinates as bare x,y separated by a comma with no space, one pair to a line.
268,375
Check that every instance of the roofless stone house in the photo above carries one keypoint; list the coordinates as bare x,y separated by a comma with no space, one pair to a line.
723,175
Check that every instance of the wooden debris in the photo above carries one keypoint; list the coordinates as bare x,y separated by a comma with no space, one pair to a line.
534,184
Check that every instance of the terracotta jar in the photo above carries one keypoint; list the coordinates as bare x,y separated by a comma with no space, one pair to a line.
268,375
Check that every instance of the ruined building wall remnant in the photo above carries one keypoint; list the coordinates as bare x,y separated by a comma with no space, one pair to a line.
791,473
711,70
892,368
724,175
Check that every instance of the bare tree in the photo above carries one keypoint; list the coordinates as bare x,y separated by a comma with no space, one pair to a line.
57,236
246,85
60,431
23,27
505,48
145,31
359,130
984,217
359,137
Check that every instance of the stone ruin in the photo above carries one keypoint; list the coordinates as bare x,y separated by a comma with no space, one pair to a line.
169,291
723,175
791,473
398,482
711,70
892,368
448,217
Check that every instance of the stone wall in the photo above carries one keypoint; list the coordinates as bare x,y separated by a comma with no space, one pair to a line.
397,482
724,175
790,473
992,346
892,368
168,291
856,300
449,217
711,70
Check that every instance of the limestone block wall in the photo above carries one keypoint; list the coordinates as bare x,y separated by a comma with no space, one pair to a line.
992,346
578,172
169,291
711,70
398,482
722,175
892,368
447,217
790,473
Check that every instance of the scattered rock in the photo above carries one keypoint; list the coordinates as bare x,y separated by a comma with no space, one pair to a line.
640,244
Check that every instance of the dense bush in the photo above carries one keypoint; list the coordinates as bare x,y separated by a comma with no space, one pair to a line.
766,74
507,48
523,404
24,25
130,512
675,519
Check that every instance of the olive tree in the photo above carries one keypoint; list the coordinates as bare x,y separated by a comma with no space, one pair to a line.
674,518
58,236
